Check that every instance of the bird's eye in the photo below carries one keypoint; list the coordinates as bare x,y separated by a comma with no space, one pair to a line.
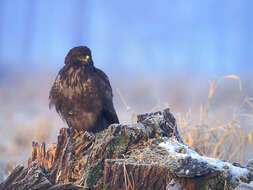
85,59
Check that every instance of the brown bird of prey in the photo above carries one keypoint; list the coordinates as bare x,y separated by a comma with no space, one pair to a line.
82,94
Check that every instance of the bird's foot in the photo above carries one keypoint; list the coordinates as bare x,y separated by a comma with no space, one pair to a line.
77,133
89,135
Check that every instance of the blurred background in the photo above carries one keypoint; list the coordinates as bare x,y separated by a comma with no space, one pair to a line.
192,56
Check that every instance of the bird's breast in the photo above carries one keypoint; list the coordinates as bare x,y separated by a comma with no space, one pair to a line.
77,83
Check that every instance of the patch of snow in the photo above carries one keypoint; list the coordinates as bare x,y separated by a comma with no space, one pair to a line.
244,186
173,186
173,147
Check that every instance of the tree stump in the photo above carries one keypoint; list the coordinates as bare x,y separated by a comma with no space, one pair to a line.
147,155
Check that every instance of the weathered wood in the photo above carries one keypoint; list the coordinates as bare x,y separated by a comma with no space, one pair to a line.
32,177
119,175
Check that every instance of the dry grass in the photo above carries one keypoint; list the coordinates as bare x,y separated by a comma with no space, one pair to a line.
129,183
227,141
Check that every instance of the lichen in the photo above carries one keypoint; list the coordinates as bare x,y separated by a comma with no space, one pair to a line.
118,144
93,176
106,187
159,138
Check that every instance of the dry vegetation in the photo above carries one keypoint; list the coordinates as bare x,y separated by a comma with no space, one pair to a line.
230,140
219,126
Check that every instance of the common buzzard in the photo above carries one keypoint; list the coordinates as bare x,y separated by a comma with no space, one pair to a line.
82,94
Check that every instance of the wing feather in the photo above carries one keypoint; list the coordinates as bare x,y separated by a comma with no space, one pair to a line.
108,108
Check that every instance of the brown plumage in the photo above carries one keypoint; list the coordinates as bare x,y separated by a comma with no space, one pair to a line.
82,94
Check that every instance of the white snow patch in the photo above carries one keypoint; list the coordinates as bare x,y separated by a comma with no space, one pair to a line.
244,186
173,147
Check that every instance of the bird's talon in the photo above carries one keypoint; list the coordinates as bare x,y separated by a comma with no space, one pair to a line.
76,134
76,131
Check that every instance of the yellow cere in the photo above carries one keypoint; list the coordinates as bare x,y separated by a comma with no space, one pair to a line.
87,57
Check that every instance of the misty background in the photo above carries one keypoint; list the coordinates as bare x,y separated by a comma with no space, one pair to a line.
156,54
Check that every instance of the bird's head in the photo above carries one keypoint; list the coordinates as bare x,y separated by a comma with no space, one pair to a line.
80,55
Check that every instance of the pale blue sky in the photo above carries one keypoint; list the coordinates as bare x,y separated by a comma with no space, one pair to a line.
162,37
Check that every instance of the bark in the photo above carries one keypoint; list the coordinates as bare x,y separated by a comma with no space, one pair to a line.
32,177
